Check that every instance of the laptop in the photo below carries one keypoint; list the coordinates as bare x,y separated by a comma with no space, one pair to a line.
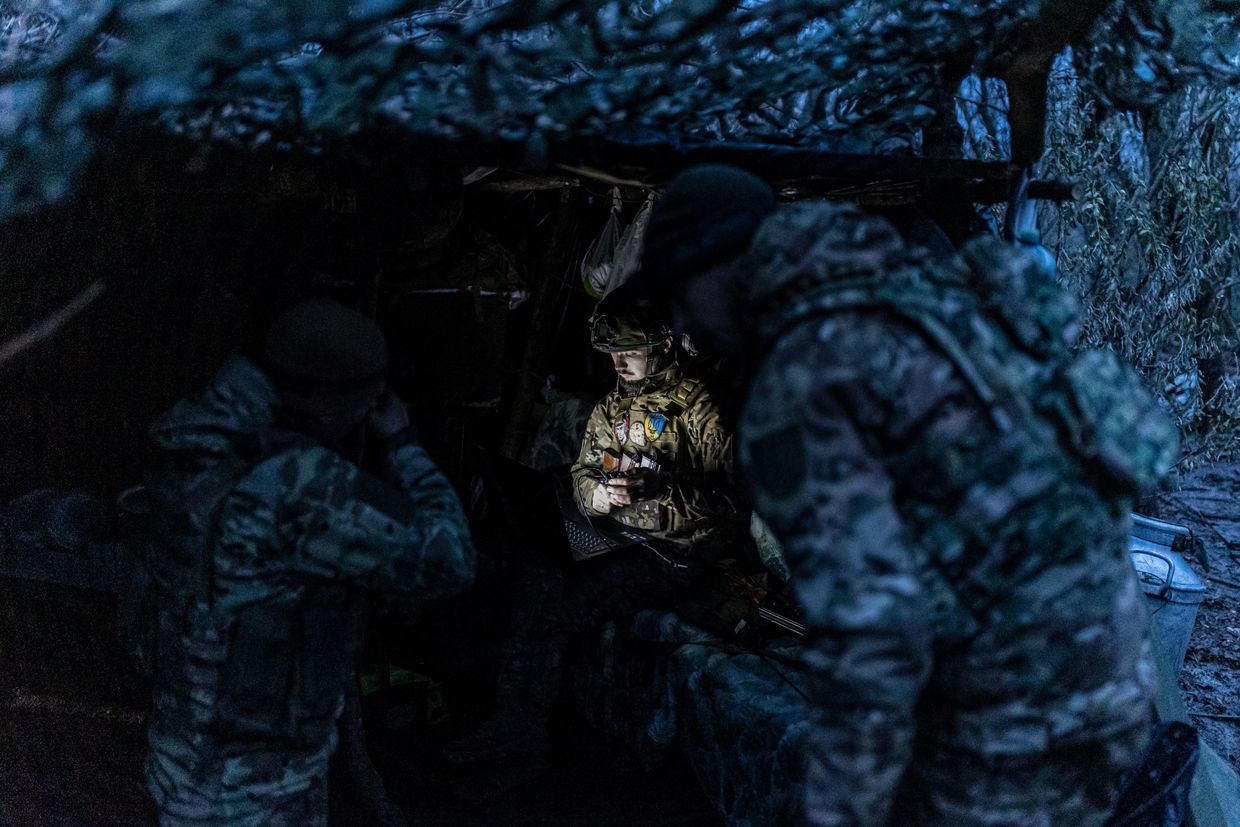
590,537
539,507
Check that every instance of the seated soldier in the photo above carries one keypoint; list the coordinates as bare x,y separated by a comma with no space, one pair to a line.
656,457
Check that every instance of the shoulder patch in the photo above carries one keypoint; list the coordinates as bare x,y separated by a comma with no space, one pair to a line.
777,464
687,392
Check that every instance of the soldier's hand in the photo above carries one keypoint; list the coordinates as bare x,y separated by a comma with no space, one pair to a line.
642,484
388,417
600,501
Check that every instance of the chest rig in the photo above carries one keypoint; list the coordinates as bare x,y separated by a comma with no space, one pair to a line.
648,431
1008,329
1082,419
271,670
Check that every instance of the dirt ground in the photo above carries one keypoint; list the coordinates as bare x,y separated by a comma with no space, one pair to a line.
1207,500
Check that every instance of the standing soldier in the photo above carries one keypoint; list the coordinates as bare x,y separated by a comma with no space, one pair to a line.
269,537
951,483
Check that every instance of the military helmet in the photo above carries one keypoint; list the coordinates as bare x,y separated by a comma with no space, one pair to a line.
614,330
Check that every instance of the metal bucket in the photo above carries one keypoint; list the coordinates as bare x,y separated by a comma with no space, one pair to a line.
1172,591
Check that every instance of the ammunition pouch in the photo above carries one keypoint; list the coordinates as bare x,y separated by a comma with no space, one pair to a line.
285,671
1111,422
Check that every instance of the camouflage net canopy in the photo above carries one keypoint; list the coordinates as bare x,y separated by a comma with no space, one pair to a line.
844,75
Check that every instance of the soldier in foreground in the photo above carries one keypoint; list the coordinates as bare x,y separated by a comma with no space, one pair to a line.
269,537
656,457
951,484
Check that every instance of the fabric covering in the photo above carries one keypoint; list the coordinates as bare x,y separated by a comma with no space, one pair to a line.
661,684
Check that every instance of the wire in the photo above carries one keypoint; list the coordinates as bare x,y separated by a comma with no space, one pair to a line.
784,677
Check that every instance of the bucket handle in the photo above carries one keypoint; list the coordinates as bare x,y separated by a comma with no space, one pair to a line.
1166,581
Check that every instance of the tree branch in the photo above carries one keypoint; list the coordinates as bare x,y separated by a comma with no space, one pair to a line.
46,328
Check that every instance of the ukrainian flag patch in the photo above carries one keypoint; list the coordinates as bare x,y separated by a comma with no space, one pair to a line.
655,423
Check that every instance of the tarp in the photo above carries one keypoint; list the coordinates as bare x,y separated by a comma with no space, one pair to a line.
737,716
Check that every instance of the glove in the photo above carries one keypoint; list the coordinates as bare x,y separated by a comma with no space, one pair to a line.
638,486
388,417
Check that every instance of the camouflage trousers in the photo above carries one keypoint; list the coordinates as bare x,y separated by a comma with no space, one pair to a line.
1075,786
553,607
307,808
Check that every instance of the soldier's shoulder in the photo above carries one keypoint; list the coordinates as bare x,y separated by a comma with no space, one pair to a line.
691,392
607,404
803,214
814,243
862,341
866,361
291,469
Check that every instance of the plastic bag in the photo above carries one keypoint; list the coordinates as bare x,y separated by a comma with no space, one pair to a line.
615,254
628,256
596,267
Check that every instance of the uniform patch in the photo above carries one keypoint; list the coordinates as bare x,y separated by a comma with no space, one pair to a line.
655,423
622,430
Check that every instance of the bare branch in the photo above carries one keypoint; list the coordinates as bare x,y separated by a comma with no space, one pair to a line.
47,327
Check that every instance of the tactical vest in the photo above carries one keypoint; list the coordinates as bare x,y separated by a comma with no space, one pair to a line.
271,671
650,515
1017,362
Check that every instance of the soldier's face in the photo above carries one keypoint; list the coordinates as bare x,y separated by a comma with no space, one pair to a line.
631,365
330,418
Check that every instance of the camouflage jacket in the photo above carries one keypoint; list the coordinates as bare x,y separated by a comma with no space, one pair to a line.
972,612
672,425
267,540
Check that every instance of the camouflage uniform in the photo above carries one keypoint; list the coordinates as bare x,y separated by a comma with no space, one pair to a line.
919,437
670,420
672,423
267,539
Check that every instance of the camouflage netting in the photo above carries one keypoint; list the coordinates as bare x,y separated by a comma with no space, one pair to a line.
852,75
1143,112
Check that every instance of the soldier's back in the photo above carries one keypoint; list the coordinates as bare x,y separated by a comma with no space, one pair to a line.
902,442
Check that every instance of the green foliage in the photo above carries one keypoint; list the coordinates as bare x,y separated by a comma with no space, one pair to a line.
1151,247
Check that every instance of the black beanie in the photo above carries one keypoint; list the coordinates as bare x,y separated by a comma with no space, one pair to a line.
707,213
321,345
